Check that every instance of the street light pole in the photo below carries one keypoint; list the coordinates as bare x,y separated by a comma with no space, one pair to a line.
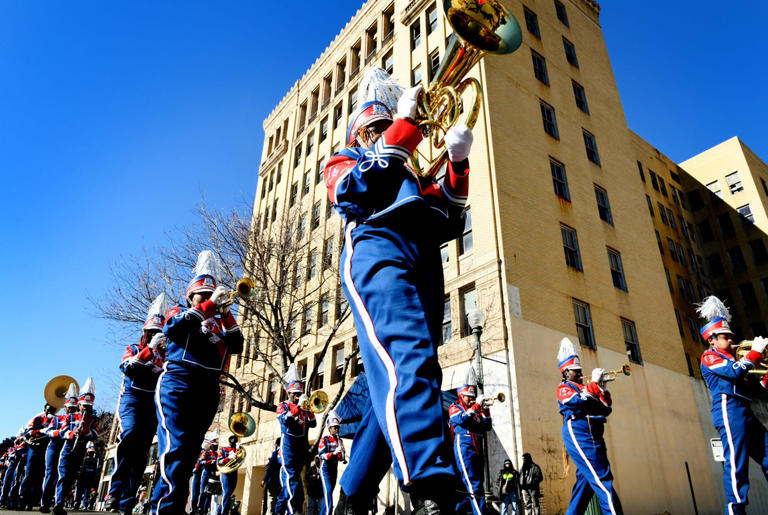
476,319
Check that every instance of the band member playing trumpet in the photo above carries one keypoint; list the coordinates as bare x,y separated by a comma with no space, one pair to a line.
200,340
208,462
741,433
470,419
295,421
141,366
80,428
392,275
34,434
584,411
330,450
55,432
229,480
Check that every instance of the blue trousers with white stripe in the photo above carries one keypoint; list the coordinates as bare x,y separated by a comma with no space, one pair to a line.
293,454
328,472
743,436
31,485
186,400
395,289
584,442
70,459
51,471
10,474
228,485
138,420
470,470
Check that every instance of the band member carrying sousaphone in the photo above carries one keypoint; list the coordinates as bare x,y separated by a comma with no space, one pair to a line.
55,432
34,434
228,478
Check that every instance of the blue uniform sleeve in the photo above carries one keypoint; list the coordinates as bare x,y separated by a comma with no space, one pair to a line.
714,363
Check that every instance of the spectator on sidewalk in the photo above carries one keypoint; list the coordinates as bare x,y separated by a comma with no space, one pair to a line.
530,477
506,488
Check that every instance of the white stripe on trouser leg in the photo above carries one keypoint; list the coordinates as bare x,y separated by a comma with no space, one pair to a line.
324,464
386,360
287,485
592,470
164,425
734,483
466,477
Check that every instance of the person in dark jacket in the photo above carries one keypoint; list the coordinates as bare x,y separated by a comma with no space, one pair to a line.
271,480
314,488
506,488
530,477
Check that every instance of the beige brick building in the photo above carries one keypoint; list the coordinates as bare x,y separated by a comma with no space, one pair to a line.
561,243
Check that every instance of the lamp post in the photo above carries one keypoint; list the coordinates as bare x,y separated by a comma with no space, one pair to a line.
476,319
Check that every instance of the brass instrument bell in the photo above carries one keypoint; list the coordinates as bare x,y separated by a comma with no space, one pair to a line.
611,375
55,391
316,403
242,424
499,397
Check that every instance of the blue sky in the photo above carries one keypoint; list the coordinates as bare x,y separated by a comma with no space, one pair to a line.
116,117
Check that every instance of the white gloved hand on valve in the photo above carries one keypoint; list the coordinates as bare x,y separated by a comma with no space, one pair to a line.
458,142
407,105
157,341
481,400
759,344
231,455
219,295
597,374
303,399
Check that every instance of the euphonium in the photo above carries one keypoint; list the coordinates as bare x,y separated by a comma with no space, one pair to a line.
484,27
317,402
611,375
743,348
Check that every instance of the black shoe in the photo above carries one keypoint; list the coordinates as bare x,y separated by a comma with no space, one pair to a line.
45,509
112,505
431,498
59,510
352,505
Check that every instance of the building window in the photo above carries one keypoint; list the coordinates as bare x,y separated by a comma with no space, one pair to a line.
640,170
669,281
325,306
759,253
388,63
447,328
352,100
650,204
571,247
468,304
312,268
630,340
562,14
434,62
658,240
679,324
570,53
705,230
532,22
714,187
617,270
338,364
310,143
540,67
603,206
297,276
274,209
663,213
765,186
584,324
415,34
357,366
580,96
320,170
746,212
315,216
559,179
692,259
681,254
317,381
444,256
591,146
465,242
416,75
338,112
328,253
307,325
654,180
726,225
748,297
549,120
294,194
737,259
297,156
673,191
324,129
671,217
694,330
734,182
662,186
431,19
671,245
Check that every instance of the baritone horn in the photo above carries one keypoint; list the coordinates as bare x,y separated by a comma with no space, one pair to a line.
611,375
316,403
499,397
743,348
241,424
479,28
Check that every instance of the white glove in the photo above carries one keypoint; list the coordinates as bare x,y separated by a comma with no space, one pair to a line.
597,374
406,106
231,455
157,340
759,344
458,141
219,295
303,399
480,400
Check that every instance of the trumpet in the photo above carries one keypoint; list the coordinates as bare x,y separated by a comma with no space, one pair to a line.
316,403
743,348
243,289
611,375
499,397
483,27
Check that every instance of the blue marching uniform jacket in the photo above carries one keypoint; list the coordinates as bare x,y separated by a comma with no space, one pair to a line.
330,452
75,437
208,462
469,425
392,275
741,433
31,486
55,443
141,367
294,423
584,411
197,350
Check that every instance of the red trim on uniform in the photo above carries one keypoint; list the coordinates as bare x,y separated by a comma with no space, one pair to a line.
128,353
565,393
457,178
754,356
403,133
338,166
228,320
208,308
144,354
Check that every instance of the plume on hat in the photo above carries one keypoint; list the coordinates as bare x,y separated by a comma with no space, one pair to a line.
377,84
712,308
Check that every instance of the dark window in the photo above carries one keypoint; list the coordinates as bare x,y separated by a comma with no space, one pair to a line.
431,19
294,194
715,265
338,363
630,340
673,191
584,324
654,179
434,63
415,34
591,146
658,240
681,287
580,96
680,328
765,186
571,247
540,67
310,143
549,120
562,14
650,204
274,209
746,212
465,242
759,253
669,281
559,179
603,206
570,53
663,213
532,22
680,254
468,304
447,329
688,362
317,380
671,216
640,170
737,259
297,156
671,245
338,112
617,270
748,297
705,230
682,226
726,225
662,186
693,328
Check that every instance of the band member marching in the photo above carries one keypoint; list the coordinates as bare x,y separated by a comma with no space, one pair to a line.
14,472
330,450
393,277
81,427
208,462
137,415
470,420
742,435
228,481
34,434
197,473
88,478
584,411
200,340
294,424
55,432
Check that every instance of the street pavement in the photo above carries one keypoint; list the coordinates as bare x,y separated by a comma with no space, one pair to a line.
37,510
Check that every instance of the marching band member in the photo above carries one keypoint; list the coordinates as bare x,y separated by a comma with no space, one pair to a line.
13,473
55,432
89,476
294,424
741,433
35,436
470,420
199,342
228,481
584,411
197,472
393,277
209,473
330,450
80,428
271,480
141,366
